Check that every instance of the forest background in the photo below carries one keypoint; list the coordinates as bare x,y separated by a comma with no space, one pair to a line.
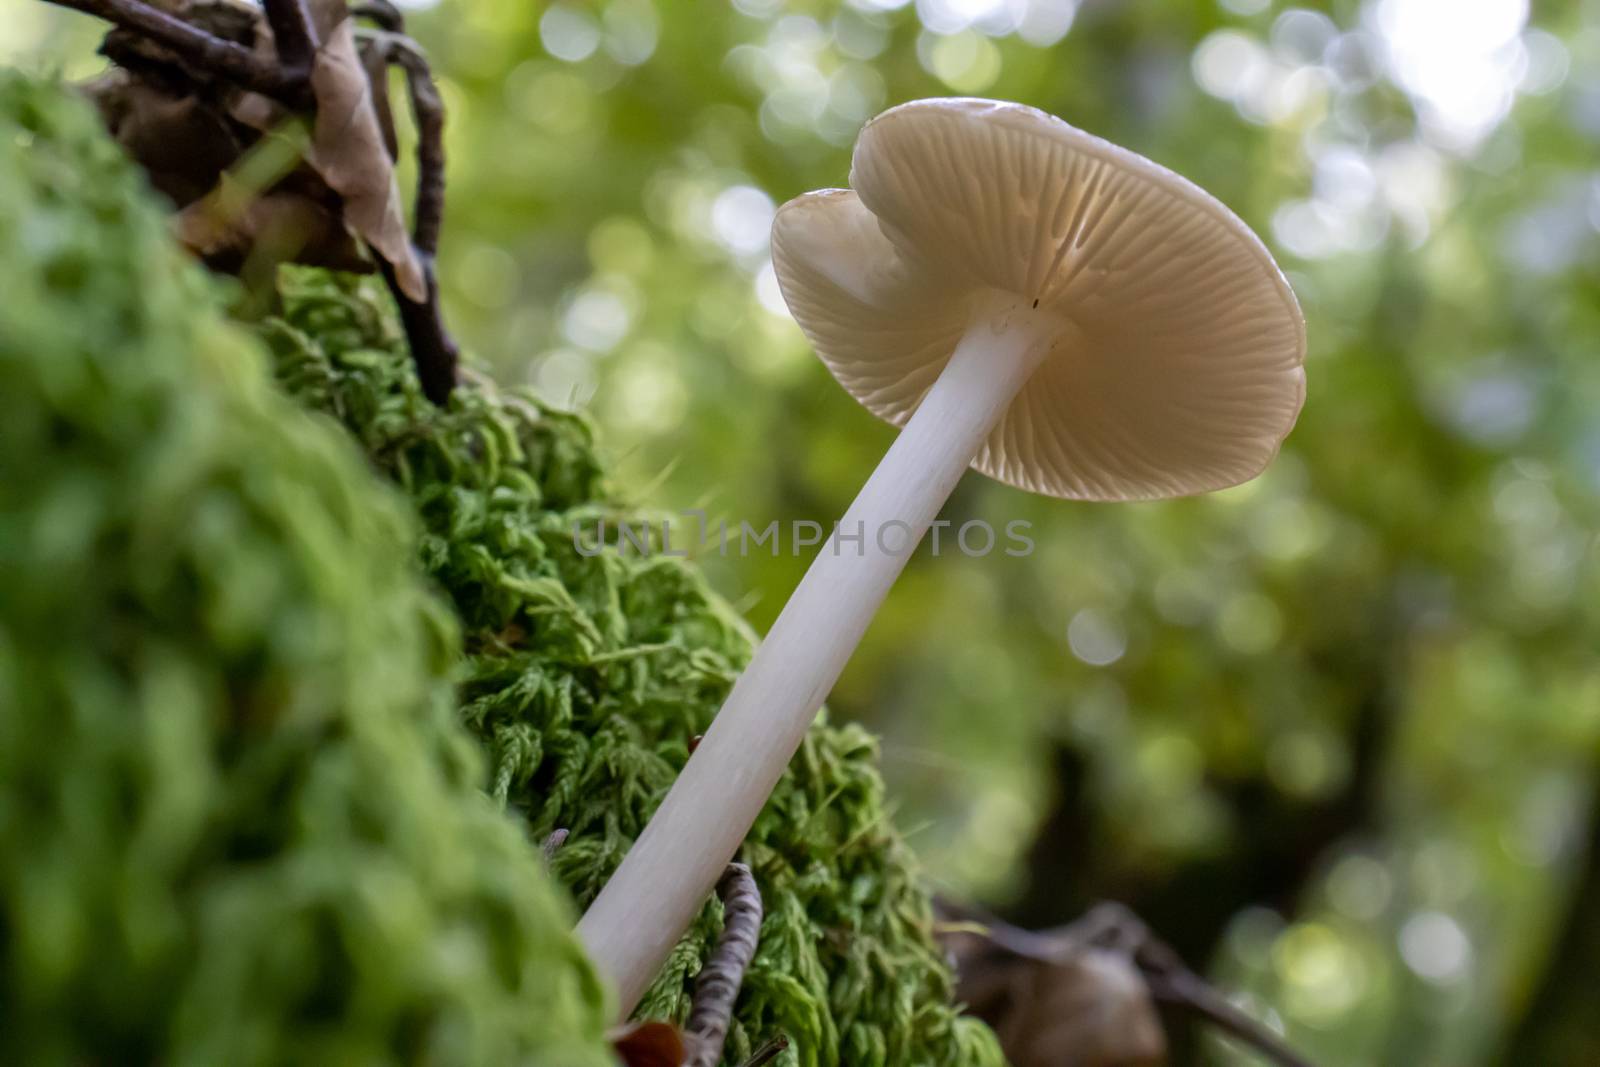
1335,733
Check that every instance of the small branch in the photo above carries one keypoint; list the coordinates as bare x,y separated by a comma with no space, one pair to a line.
229,59
428,109
1189,991
432,349
767,1052
381,13
716,987
1114,928
1172,982
293,34
296,37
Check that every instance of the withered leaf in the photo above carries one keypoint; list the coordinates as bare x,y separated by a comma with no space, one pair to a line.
182,144
1088,1008
650,1044
349,151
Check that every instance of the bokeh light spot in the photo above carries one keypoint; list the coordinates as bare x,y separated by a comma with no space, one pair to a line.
564,378
568,33
741,218
1249,623
597,319
1324,977
1047,21
967,61
1360,887
632,28
1435,947
1095,638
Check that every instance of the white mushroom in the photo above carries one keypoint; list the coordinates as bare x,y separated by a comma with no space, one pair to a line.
1021,297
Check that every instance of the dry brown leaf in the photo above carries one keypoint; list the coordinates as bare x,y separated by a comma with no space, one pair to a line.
650,1044
182,145
349,151
351,140
1090,1008
1092,1011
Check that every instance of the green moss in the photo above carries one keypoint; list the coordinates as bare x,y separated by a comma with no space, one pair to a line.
588,675
238,824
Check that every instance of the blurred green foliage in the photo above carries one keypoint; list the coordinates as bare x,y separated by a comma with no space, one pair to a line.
1336,729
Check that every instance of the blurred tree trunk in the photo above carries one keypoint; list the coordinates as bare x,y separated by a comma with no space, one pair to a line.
1560,1026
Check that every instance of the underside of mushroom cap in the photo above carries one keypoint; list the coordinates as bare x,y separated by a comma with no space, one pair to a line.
1183,370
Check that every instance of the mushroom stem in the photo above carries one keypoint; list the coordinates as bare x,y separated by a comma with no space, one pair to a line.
666,877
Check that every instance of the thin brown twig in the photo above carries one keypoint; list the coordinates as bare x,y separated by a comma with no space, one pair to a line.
427,107
1187,990
716,987
433,351
1115,928
294,35
767,1052
381,13
227,58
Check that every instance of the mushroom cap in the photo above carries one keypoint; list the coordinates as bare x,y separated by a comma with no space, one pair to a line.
1179,366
